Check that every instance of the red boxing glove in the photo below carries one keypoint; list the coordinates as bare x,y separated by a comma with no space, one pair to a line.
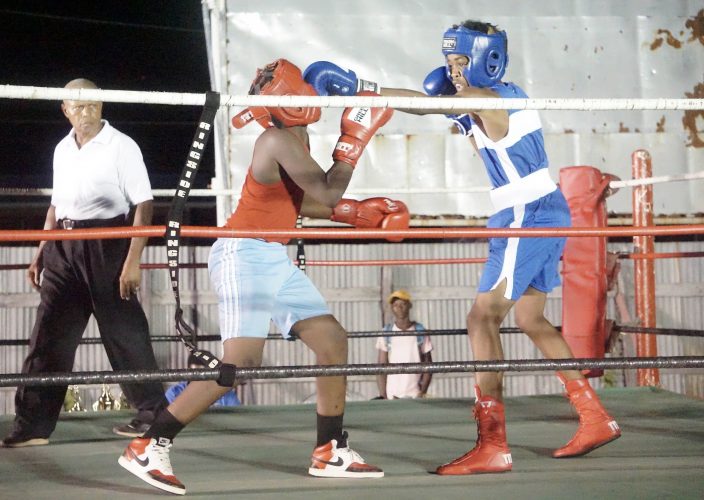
358,125
383,213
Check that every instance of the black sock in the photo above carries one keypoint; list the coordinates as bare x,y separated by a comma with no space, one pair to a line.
165,425
329,428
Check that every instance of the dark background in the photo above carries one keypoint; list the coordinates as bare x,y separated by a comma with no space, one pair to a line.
154,45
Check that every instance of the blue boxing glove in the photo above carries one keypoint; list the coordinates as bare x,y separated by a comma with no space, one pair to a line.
437,83
463,124
329,79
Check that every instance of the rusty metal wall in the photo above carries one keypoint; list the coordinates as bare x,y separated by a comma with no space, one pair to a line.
441,294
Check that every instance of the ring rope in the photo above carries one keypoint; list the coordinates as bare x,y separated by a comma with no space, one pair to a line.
279,372
398,262
235,194
345,234
174,225
459,103
681,332
647,181
660,255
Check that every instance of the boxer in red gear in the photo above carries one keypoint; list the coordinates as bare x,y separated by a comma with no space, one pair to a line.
257,282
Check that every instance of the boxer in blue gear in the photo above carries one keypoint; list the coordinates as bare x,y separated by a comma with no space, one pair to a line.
520,271
487,53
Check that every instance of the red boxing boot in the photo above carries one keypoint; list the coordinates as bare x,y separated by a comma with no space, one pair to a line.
491,453
596,427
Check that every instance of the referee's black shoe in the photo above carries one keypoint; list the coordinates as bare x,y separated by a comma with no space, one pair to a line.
17,439
134,429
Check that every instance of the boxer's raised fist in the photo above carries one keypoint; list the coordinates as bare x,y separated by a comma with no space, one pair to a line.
358,125
329,79
437,83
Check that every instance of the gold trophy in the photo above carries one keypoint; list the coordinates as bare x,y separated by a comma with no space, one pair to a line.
123,404
73,401
106,401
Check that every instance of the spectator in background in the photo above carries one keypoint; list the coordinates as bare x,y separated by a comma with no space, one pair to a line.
228,399
403,349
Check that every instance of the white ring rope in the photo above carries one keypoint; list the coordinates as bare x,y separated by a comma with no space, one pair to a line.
128,96
656,180
131,96
365,191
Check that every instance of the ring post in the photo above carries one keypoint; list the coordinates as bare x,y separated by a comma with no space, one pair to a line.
584,268
646,345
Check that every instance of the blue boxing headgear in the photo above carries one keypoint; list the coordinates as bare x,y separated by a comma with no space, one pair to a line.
487,54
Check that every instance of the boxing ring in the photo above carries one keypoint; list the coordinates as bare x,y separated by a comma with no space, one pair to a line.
260,450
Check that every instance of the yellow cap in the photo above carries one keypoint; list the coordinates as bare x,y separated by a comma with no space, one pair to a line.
399,294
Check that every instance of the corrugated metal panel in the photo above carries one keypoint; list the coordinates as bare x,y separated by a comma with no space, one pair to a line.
442,298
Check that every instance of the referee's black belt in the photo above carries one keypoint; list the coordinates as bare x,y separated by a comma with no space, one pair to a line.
80,224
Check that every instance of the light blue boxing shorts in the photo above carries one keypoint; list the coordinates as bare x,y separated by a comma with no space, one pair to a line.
526,262
256,283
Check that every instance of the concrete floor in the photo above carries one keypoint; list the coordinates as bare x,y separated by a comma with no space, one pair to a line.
263,452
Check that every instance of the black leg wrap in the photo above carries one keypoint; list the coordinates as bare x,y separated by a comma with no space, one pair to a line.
227,376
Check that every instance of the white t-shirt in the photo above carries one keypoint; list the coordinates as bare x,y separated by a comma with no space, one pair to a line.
403,350
102,179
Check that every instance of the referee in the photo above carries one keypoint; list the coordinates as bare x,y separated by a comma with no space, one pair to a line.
99,174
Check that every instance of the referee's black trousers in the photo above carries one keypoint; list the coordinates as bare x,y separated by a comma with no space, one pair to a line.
81,278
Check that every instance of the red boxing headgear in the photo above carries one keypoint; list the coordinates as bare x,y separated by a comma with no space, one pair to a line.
279,78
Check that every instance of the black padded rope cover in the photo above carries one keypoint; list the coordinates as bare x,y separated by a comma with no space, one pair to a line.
173,225
228,374
300,249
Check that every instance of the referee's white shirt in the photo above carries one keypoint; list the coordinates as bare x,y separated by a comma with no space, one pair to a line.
102,179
